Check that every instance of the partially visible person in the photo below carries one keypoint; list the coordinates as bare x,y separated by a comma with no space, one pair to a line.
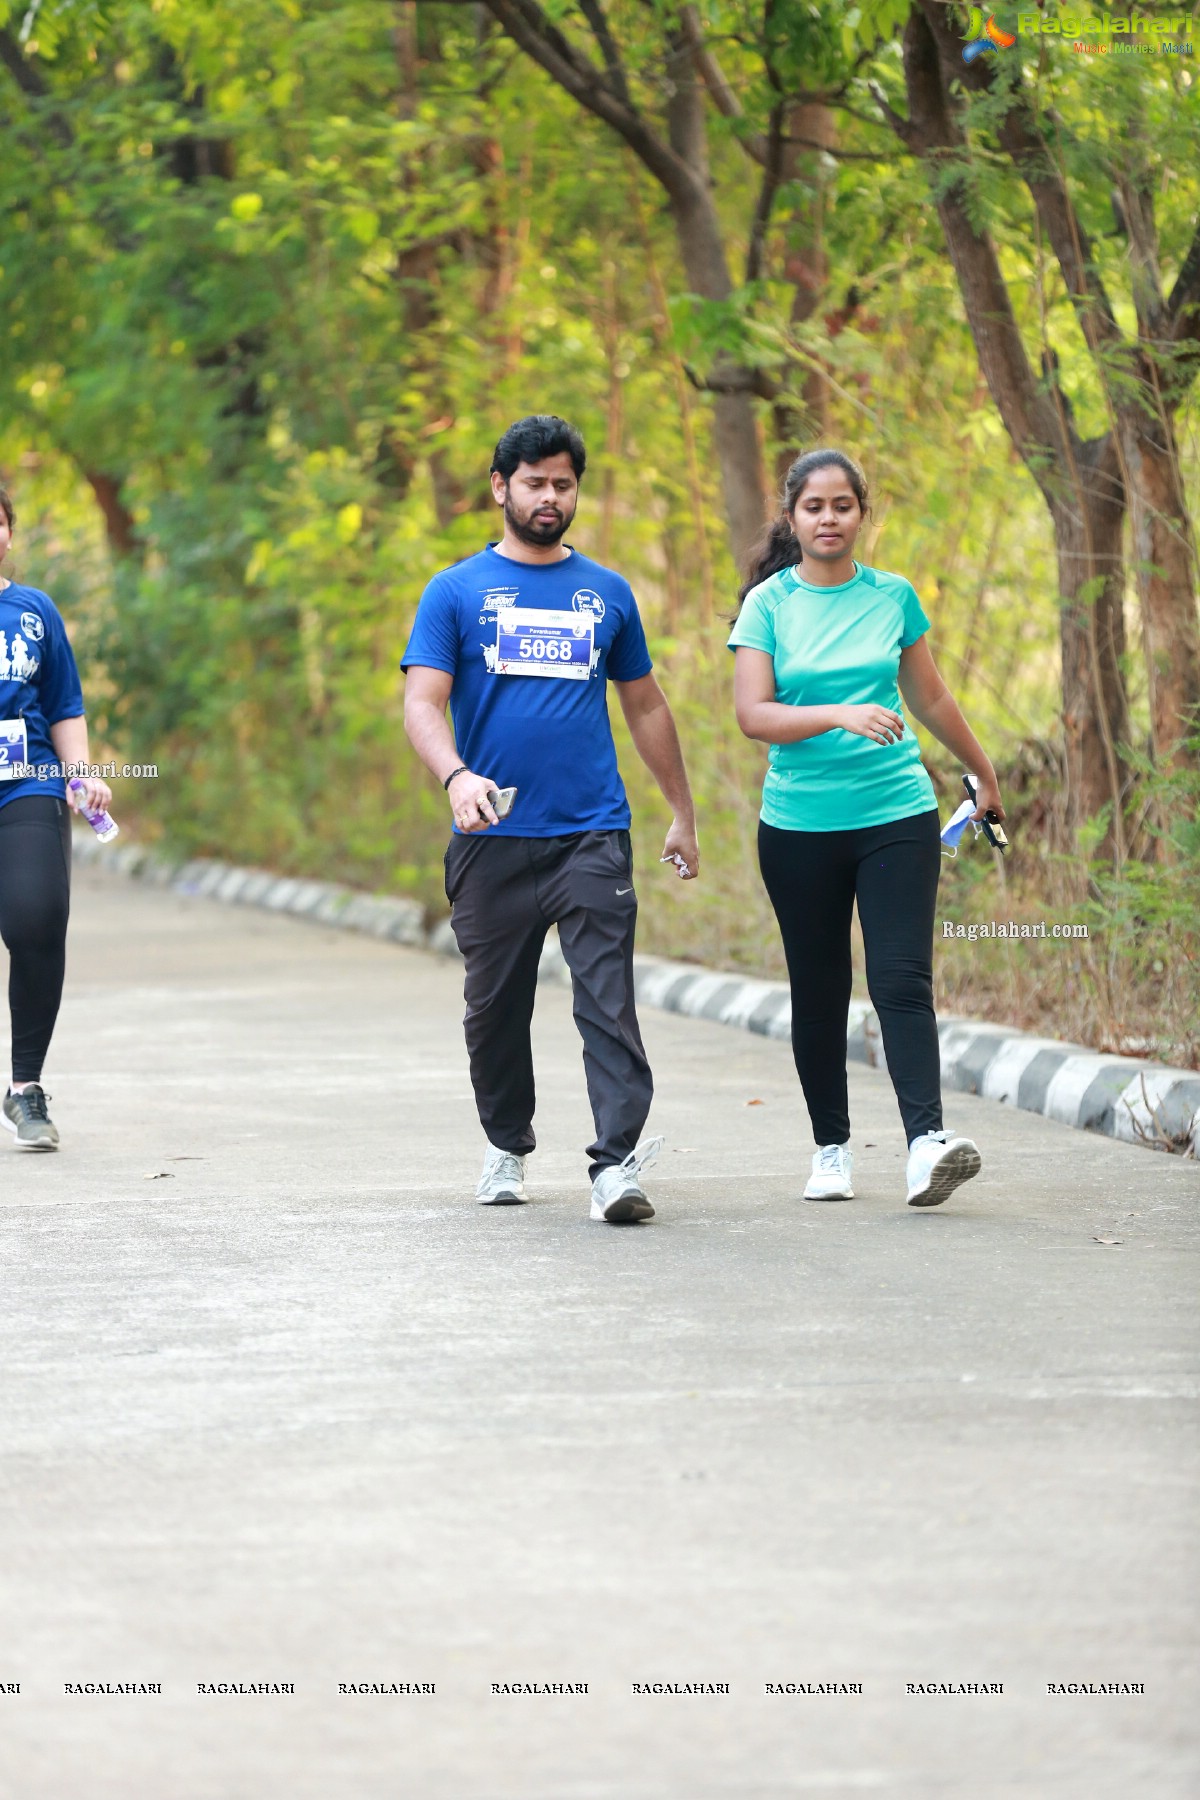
42,729
521,641
824,648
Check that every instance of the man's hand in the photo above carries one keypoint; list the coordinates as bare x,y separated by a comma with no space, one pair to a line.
472,809
681,842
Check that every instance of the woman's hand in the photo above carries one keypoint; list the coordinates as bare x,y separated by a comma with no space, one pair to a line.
987,793
874,722
92,795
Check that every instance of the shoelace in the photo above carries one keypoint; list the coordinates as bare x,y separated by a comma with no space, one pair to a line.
35,1103
830,1158
506,1168
644,1156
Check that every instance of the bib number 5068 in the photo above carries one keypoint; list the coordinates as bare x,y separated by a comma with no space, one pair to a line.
545,649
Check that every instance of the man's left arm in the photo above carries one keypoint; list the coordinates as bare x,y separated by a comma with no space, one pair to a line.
656,741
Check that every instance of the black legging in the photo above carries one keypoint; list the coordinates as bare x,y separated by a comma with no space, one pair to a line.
35,898
813,879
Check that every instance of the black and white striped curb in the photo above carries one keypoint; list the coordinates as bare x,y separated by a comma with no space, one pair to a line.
1120,1096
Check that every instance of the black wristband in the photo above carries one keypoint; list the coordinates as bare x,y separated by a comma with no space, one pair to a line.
462,769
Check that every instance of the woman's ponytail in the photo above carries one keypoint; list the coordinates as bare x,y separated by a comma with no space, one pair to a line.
778,550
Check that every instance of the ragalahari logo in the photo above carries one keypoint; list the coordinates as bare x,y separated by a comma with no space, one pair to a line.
981,37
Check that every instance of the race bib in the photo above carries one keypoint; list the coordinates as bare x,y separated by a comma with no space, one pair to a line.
530,641
14,747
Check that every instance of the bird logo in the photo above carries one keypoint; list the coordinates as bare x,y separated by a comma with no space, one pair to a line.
981,36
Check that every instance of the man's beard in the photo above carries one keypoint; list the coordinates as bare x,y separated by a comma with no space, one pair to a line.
542,532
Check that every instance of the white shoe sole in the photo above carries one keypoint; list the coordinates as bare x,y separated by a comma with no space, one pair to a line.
505,1199
814,1190
45,1144
626,1209
958,1165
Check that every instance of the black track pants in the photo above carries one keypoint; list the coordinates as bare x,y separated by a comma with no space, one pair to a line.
505,893
813,879
35,897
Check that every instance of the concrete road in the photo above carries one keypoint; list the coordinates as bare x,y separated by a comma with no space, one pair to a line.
282,1406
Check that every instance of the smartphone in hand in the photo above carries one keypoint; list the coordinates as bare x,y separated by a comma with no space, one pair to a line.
501,801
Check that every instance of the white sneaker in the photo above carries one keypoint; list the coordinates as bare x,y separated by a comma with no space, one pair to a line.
939,1162
617,1195
503,1180
831,1171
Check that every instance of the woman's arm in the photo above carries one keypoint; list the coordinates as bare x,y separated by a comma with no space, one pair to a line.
770,721
930,700
70,740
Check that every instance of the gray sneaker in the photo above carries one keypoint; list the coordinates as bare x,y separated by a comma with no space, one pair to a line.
503,1180
25,1115
617,1194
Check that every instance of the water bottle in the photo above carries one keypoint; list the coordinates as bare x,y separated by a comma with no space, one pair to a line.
102,823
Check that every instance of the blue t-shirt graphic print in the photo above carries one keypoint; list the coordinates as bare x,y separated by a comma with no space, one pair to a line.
548,735
39,682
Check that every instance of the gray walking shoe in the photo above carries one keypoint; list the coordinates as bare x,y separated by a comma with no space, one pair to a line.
25,1115
503,1180
617,1194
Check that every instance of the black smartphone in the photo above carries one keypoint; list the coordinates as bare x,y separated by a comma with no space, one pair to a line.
993,830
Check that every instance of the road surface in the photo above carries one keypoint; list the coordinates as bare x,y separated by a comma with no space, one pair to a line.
282,1407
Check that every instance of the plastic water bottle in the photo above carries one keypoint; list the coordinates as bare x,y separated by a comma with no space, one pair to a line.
102,823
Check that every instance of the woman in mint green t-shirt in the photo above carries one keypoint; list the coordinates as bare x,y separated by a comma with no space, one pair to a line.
824,649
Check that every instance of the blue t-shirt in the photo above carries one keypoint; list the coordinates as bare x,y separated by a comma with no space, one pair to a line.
38,683
547,735
838,646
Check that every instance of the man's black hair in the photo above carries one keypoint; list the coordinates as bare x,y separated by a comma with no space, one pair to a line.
538,436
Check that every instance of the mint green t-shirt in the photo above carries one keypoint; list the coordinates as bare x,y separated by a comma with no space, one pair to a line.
837,646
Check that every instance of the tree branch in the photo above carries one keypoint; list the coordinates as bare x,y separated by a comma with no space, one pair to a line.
768,188
33,84
728,379
932,132
872,156
718,88
1021,139
1183,304
529,27
594,13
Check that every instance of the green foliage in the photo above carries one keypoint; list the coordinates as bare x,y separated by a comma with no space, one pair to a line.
275,278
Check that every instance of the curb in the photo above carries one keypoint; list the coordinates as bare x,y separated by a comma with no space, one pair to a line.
1121,1097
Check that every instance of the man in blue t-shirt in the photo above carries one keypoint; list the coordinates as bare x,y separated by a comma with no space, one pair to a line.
521,641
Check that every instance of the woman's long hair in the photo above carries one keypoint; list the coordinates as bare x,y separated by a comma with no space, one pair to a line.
779,549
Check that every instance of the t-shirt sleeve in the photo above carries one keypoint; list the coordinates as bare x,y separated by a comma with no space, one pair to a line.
915,622
754,627
59,693
629,654
433,641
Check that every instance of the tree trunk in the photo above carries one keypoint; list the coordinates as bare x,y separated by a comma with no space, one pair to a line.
735,428
679,163
1164,555
1087,540
119,527
806,268
1080,480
